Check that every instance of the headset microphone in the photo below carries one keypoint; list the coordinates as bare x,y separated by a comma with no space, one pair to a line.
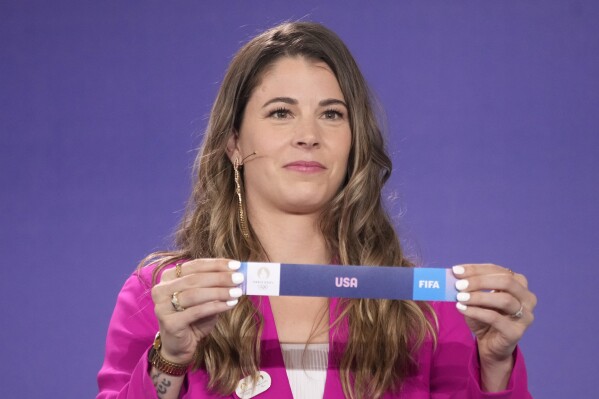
251,155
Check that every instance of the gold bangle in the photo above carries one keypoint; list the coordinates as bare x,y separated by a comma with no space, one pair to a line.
161,364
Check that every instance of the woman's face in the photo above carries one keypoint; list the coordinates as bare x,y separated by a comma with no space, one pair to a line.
296,121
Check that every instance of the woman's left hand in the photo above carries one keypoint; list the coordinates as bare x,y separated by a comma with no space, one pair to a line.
499,308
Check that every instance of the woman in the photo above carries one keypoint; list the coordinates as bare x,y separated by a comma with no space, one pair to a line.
291,171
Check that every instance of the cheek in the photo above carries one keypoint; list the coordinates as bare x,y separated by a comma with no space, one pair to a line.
262,144
345,147
342,161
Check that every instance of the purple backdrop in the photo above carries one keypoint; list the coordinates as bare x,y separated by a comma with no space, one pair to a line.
493,124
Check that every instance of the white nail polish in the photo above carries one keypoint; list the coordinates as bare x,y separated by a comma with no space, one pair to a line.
461,307
461,285
234,264
236,292
463,296
232,302
237,278
458,269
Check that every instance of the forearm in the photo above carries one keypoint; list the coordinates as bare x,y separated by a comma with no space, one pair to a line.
167,386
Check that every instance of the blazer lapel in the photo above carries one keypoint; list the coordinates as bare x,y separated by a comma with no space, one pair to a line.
337,343
271,357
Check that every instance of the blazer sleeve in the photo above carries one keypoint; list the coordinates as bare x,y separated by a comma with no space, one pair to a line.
455,369
131,332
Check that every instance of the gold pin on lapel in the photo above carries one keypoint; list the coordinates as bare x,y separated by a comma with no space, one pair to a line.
246,388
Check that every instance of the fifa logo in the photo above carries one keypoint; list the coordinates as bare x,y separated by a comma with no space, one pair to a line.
428,284
346,282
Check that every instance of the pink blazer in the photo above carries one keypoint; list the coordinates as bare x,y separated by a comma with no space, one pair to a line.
451,370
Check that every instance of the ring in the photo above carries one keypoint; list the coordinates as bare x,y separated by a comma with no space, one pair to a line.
519,313
175,302
178,270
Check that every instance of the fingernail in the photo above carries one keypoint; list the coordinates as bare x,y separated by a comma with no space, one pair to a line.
463,296
237,278
461,307
232,302
234,264
458,269
461,285
236,292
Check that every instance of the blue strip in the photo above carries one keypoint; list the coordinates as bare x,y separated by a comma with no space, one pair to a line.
346,281
376,282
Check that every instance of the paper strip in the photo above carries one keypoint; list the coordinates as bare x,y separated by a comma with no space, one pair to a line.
342,281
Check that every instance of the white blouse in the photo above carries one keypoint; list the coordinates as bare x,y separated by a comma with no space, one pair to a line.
306,367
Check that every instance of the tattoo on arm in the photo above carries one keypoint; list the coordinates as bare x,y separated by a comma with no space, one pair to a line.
161,384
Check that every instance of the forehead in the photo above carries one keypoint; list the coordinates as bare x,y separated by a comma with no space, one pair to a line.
295,72
282,63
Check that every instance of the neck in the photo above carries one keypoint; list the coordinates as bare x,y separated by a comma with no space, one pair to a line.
290,238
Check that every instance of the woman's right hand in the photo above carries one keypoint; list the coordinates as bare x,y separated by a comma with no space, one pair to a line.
205,288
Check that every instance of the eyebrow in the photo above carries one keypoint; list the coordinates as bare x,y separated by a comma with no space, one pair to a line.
293,101
332,101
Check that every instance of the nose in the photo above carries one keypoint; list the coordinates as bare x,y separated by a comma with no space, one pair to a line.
307,135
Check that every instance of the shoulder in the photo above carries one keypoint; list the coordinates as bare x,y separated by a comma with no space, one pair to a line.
134,309
137,289
150,274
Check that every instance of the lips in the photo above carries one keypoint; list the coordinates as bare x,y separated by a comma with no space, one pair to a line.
305,166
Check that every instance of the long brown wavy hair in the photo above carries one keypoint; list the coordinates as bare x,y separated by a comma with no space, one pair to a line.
383,335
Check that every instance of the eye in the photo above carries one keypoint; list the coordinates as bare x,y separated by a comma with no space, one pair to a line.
280,113
332,114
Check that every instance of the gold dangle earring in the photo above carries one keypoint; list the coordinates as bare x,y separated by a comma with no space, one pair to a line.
242,224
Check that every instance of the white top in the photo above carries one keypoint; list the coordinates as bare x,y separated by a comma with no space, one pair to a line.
306,367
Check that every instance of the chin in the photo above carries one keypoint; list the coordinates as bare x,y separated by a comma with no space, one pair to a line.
309,205
304,209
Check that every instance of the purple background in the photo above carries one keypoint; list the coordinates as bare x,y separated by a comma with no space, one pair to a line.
492,111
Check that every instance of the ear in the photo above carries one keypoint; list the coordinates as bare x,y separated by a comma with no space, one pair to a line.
232,148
